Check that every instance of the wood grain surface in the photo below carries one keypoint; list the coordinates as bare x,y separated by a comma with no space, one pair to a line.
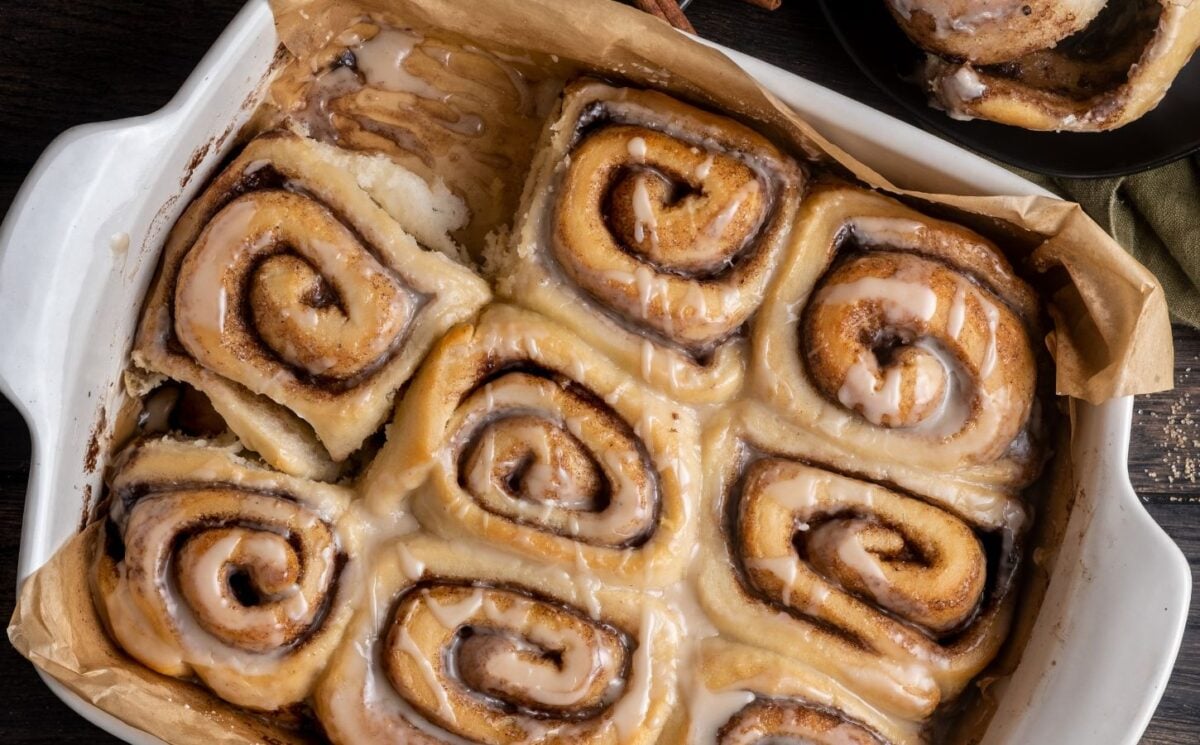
67,62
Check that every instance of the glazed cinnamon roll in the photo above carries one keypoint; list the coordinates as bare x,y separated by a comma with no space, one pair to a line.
515,432
221,570
1073,65
905,339
450,112
991,31
900,600
469,646
298,305
739,695
651,228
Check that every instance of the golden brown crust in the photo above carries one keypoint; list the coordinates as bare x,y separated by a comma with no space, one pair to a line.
1073,87
296,304
651,228
897,599
906,340
219,569
991,31
539,552
452,645
518,434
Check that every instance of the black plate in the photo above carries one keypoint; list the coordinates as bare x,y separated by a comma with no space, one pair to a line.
867,31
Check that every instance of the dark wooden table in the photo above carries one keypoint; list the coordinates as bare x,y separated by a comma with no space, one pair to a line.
66,62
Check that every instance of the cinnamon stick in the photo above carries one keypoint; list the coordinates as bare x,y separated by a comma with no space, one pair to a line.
675,15
767,4
669,11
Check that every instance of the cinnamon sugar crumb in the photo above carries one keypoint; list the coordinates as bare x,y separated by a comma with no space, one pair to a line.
1180,436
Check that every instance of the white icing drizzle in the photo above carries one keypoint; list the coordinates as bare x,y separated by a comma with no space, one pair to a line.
964,85
992,314
209,279
851,553
887,231
708,711
650,285
862,389
954,409
409,647
255,166
454,615
646,223
554,498
152,646
901,299
706,239
209,580
958,15
637,149
269,623
587,585
695,302
411,565
629,711
797,495
564,684
381,61
785,568
958,312
370,704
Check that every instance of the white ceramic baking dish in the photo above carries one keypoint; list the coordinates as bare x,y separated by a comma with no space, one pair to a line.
80,244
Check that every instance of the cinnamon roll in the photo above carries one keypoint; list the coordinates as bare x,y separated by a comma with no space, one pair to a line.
469,646
907,340
449,112
740,695
651,228
900,600
991,31
515,432
1073,65
221,570
297,304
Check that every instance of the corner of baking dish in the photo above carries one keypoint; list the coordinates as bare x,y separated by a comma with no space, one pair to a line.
82,237
80,241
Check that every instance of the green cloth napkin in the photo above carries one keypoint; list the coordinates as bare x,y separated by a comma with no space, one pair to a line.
1155,215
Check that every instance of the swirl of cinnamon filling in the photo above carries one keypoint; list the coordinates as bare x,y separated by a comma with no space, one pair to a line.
524,465
911,344
905,339
514,652
898,599
236,584
1055,65
661,231
296,304
806,533
517,433
481,658
316,300
652,229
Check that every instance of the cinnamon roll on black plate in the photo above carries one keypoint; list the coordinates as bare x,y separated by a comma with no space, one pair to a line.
1074,88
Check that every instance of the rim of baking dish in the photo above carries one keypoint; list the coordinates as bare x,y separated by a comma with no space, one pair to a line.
914,158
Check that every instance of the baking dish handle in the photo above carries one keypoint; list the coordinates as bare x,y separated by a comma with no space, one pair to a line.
64,231
1113,617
